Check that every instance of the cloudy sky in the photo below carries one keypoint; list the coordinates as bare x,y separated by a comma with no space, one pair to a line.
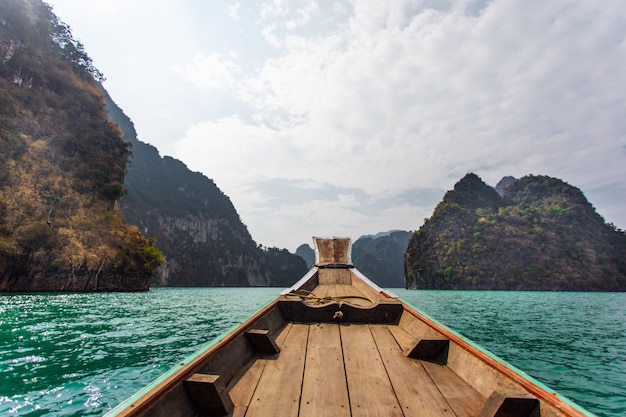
354,117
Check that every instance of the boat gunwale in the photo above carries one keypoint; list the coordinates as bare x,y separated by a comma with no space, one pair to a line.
532,385
151,393
527,382
306,278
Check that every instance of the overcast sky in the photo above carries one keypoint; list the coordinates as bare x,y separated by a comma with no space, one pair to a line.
345,118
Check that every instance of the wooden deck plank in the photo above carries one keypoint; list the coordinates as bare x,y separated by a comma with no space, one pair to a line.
360,298
321,290
403,339
370,390
464,400
324,389
241,394
417,328
365,290
279,388
335,276
340,290
415,390
350,290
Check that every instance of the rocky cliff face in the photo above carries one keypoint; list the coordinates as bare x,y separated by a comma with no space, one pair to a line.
80,280
61,166
195,224
502,185
379,257
307,253
542,234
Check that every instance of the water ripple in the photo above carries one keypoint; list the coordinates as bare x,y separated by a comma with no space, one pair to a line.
575,343
82,354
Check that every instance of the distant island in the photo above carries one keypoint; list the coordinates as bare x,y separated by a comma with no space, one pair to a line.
86,206
380,257
538,233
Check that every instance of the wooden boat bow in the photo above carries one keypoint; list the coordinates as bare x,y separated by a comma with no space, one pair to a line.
336,344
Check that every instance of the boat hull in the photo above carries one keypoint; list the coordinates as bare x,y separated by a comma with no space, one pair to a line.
335,344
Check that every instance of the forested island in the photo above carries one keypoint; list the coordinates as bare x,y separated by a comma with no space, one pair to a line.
539,234
86,206
194,223
62,166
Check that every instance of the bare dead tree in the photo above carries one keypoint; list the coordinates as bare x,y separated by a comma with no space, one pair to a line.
96,275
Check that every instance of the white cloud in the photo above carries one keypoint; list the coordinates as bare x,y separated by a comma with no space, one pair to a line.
233,151
372,98
232,10
328,217
390,101
303,15
270,37
274,8
214,71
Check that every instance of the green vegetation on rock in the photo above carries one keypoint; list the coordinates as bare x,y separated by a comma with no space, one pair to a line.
62,165
542,234
194,223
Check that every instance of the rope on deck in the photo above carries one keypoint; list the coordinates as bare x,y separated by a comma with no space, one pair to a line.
308,297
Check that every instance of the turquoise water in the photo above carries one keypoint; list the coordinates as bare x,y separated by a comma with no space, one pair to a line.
81,354
574,343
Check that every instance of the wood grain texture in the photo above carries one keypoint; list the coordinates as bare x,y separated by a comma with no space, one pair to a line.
209,394
364,289
335,276
403,339
324,390
371,393
262,342
322,290
279,388
242,392
464,400
415,390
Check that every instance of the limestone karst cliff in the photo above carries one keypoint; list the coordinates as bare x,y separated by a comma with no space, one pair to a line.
62,165
541,234
195,224
380,257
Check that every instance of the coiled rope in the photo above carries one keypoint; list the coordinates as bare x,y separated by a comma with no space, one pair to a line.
309,298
